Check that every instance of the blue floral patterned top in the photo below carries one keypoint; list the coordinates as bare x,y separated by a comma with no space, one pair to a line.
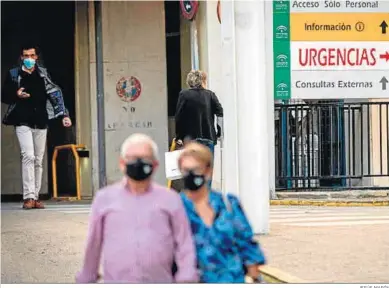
227,246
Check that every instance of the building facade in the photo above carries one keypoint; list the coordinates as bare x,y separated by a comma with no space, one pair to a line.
132,37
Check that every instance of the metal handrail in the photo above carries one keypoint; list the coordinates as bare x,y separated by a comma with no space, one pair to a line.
73,148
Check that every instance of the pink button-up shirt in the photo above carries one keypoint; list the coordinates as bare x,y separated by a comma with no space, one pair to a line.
139,236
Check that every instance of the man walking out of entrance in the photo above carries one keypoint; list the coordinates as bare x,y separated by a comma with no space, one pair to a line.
139,227
33,99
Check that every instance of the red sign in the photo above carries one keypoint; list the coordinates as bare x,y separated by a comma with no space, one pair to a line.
128,89
337,57
189,9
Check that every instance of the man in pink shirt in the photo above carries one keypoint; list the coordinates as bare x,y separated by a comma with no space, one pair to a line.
138,227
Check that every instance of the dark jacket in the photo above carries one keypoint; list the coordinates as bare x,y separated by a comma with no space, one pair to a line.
195,114
55,105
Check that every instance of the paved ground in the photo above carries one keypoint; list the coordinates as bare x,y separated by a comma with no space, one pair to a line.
337,244
319,244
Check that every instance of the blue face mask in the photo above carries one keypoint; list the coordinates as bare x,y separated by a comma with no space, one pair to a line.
29,63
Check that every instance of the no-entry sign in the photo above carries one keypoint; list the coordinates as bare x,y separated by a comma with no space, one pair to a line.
189,9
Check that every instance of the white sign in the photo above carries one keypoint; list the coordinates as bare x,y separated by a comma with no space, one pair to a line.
342,6
339,85
336,70
332,56
331,49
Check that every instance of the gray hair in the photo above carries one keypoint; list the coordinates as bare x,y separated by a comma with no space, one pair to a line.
196,78
136,139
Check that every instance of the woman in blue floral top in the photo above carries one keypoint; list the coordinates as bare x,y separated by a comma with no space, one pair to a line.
226,250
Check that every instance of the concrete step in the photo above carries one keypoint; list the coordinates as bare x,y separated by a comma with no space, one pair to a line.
377,201
333,195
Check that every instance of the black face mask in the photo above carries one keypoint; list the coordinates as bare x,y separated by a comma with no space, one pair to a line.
139,170
193,182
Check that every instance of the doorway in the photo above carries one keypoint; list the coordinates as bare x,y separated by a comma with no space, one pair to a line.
173,57
50,26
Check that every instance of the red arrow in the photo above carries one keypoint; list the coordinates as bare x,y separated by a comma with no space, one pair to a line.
385,56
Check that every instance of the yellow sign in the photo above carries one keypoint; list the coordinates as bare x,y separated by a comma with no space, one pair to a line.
339,26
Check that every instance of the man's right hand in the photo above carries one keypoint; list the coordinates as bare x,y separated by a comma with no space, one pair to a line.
21,94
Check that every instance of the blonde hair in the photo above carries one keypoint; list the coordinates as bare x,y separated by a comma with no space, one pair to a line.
138,138
196,78
198,151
